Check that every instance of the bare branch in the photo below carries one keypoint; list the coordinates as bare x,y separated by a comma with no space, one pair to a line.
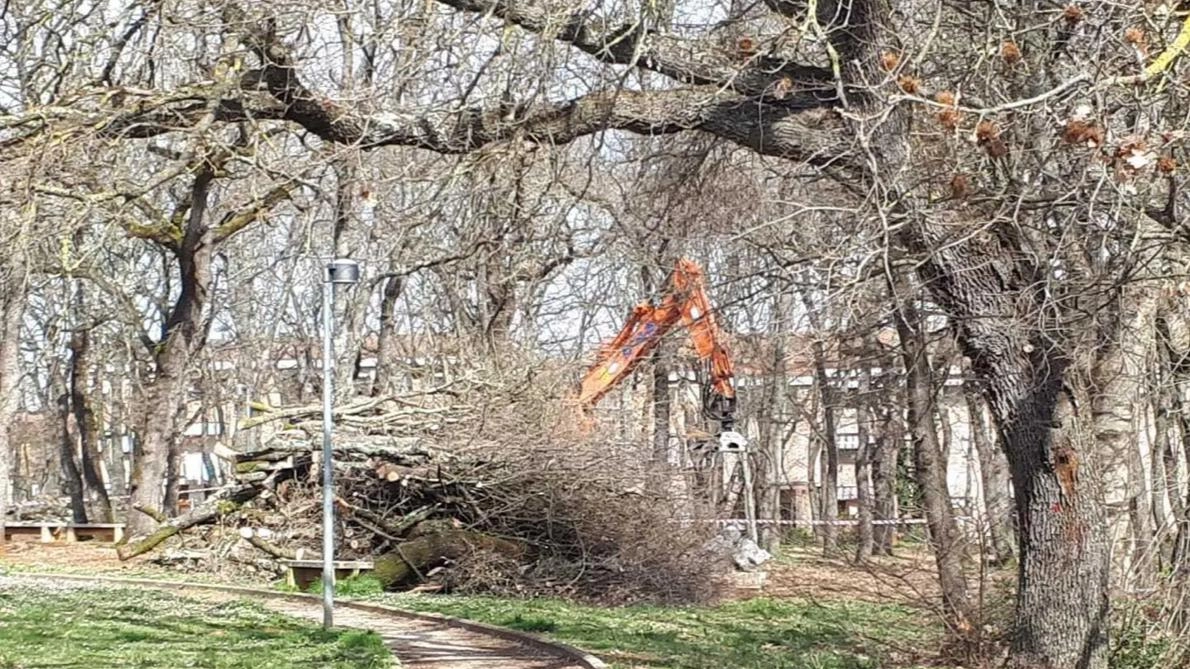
684,60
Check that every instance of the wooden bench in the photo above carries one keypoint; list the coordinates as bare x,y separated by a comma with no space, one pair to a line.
301,573
51,531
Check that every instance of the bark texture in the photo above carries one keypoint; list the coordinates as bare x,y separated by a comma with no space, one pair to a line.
413,558
828,498
884,453
865,539
1062,602
72,480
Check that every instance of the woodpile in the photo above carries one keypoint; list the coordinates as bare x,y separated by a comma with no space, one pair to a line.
481,484
399,502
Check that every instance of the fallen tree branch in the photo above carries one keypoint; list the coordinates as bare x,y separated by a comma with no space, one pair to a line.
410,559
152,513
390,531
223,502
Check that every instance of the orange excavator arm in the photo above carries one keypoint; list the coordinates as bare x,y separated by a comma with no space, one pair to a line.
685,302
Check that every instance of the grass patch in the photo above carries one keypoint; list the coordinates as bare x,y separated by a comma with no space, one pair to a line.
142,629
361,585
753,634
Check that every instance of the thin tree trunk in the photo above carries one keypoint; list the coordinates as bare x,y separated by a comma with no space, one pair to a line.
84,418
653,279
941,418
829,496
884,465
1164,475
770,474
661,406
66,449
928,464
863,472
993,475
386,344
1116,392
173,473
1173,361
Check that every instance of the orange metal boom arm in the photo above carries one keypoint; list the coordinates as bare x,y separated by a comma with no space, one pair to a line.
687,302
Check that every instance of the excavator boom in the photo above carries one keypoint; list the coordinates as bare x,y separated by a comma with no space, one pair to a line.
686,301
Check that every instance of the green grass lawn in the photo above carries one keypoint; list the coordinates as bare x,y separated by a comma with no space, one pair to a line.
753,634
98,628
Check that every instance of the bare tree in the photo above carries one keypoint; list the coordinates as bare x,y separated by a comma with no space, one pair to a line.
1008,149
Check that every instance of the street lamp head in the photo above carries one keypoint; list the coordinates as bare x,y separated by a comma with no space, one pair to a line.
342,271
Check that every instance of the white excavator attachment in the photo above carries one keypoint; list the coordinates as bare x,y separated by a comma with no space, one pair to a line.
732,441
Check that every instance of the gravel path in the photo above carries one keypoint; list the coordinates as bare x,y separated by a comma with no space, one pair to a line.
417,644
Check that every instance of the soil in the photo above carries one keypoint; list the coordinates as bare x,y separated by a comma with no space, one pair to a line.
908,577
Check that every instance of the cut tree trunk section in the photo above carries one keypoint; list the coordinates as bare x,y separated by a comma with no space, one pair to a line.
411,560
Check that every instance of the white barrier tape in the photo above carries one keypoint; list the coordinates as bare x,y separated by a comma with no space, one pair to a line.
852,522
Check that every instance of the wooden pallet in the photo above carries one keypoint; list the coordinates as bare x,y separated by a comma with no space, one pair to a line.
49,532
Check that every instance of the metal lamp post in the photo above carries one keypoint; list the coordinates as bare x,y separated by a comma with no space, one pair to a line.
338,272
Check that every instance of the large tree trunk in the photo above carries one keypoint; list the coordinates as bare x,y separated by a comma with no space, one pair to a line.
929,465
416,556
993,475
1062,602
986,281
165,394
12,306
1062,595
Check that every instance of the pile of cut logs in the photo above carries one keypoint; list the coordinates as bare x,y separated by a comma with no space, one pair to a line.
400,502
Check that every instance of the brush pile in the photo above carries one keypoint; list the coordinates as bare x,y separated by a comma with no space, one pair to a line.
492,489
543,523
